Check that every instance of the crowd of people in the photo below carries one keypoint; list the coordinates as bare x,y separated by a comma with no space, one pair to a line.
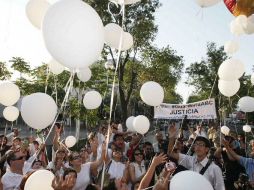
129,161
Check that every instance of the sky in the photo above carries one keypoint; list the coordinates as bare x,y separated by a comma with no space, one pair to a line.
182,25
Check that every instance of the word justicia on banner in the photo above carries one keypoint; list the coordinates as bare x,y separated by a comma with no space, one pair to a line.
204,109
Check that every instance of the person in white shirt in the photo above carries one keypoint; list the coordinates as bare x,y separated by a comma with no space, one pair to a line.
12,178
196,163
199,132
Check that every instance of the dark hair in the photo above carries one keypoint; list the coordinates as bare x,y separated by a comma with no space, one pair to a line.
203,139
133,155
36,143
116,136
37,161
67,171
4,137
148,143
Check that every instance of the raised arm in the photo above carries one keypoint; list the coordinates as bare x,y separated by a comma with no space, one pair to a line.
172,133
157,160
230,152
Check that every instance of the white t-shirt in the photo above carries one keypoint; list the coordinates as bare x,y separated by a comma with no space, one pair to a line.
139,169
11,181
116,169
83,178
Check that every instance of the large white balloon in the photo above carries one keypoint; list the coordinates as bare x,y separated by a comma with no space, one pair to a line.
207,3
11,113
152,93
36,10
247,128
225,130
228,88
126,2
73,33
84,74
92,100
9,93
70,141
55,67
246,104
252,79
231,69
129,123
190,180
231,47
40,180
38,110
141,124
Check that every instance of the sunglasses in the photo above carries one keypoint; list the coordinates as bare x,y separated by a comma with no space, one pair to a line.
19,158
138,153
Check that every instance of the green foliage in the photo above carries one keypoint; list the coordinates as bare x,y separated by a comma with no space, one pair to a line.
5,74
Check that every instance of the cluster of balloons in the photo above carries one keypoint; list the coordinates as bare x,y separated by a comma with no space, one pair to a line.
114,34
139,124
242,25
38,110
229,73
152,93
9,95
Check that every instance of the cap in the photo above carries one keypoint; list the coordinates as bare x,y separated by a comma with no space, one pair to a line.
203,139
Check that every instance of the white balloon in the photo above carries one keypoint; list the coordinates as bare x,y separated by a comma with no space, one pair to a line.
84,74
249,29
231,69
252,79
152,93
246,104
228,88
236,28
70,141
11,113
207,3
36,10
38,110
55,67
231,47
9,93
225,130
112,34
141,124
127,41
40,180
126,2
247,128
189,180
129,123
73,33
92,100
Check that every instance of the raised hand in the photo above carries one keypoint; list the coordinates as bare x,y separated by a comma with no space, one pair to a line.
172,131
159,159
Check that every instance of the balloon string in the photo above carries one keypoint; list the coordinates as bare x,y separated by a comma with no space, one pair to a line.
113,90
46,83
59,111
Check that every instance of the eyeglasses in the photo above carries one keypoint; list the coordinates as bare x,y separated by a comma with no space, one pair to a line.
76,157
19,158
138,153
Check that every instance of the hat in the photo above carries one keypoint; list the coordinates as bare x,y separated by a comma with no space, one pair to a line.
203,139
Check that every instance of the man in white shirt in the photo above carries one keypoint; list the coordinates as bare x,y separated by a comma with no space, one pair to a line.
198,163
12,178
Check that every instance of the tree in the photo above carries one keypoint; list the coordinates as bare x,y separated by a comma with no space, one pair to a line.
5,74
19,64
203,76
139,21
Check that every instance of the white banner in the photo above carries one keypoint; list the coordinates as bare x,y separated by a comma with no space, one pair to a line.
198,110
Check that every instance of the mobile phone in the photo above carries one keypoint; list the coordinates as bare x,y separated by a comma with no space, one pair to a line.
170,166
